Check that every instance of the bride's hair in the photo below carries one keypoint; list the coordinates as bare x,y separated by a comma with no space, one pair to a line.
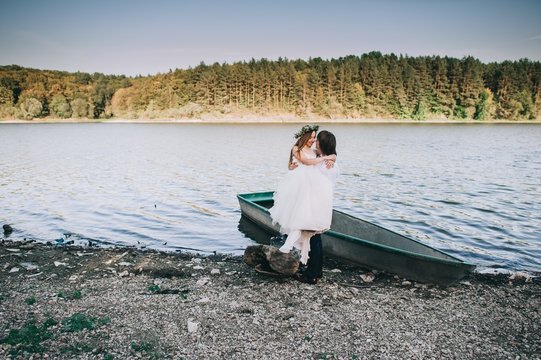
303,139
327,142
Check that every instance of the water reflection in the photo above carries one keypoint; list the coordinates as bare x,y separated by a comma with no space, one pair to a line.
253,232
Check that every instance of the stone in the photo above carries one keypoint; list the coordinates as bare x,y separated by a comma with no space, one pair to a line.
521,276
29,266
7,229
283,263
368,278
192,326
269,257
34,275
203,281
254,255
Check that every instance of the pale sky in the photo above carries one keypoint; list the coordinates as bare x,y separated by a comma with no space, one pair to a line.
134,37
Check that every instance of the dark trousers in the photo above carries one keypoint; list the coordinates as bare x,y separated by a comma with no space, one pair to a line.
314,267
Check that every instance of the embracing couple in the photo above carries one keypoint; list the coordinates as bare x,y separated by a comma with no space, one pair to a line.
303,200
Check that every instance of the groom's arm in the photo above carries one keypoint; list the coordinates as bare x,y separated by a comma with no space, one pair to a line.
329,164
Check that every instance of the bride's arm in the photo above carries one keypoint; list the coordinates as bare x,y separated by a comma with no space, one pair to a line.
303,159
292,166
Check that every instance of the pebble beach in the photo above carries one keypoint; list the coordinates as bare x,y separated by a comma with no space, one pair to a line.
62,302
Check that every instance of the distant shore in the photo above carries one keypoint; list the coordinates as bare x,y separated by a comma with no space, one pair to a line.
267,120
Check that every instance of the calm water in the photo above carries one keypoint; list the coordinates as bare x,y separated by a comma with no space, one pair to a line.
471,190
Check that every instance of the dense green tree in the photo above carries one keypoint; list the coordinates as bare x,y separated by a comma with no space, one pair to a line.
6,96
11,88
483,109
80,108
60,106
419,113
369,85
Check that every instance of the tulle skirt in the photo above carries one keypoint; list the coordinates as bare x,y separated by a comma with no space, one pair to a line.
302,207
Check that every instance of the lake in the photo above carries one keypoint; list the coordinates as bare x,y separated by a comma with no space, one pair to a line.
472,190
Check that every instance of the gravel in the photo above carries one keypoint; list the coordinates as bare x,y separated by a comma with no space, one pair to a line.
188,306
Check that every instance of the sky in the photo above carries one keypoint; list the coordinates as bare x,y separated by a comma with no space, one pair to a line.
136,37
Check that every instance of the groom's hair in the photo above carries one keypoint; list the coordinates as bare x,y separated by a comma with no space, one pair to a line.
327,142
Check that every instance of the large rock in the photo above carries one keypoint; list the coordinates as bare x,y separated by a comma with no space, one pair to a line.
283,263
255,255
7,229
270,258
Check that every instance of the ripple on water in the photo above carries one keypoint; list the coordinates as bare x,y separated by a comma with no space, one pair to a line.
450,202
484,210
124,183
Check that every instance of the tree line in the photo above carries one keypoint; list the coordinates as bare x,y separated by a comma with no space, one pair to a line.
366,86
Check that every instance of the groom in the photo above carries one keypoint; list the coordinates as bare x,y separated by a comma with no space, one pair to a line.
325,145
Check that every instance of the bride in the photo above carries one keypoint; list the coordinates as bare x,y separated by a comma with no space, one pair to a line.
303,199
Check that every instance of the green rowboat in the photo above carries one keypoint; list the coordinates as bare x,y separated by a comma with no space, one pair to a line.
369,245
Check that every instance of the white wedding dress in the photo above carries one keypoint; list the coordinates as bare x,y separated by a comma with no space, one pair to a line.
303,206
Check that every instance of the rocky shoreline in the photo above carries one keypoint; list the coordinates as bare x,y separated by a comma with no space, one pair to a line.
59,302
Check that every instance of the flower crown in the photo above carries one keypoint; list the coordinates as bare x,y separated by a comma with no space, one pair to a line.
306,129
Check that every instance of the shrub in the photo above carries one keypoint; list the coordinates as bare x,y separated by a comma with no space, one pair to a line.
31,108
79,108
60,106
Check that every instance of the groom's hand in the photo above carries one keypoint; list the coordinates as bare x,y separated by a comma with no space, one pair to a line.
292,166
329,164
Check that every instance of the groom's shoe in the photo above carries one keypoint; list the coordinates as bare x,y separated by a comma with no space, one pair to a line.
304,279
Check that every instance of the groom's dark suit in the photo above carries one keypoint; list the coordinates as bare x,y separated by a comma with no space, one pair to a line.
314,266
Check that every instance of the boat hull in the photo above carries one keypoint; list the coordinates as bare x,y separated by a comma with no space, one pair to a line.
369,245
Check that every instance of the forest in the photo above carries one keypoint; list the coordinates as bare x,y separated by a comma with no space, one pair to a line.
372,85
